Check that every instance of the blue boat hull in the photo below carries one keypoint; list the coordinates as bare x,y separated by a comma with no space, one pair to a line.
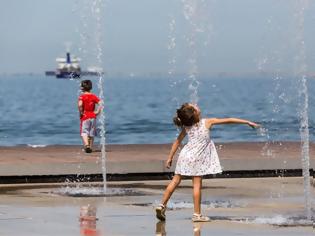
68,75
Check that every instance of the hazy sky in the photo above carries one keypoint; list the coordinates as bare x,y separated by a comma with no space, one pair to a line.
230,36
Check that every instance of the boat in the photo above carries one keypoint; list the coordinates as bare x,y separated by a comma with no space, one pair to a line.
69,68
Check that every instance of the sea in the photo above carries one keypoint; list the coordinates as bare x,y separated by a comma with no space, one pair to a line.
37,110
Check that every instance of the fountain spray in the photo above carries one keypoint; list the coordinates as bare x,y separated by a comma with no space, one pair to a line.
303,111
97,12
190,13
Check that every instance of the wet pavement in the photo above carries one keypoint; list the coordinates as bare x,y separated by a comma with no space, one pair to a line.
255,206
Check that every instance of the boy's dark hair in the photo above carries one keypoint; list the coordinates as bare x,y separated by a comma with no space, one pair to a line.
86,85
186,115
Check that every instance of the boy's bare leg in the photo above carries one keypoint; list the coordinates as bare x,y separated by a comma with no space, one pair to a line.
91,141
170,188
85,140
86,143
197,184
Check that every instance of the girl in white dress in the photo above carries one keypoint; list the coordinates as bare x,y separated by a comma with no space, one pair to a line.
198,157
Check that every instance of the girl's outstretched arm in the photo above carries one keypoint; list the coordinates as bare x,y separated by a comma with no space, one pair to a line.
215,121
174,148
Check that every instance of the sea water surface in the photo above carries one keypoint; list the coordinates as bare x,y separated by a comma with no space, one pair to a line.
39,110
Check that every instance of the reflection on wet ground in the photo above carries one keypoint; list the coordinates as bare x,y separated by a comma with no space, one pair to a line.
271,206
88,221
161,231
160,228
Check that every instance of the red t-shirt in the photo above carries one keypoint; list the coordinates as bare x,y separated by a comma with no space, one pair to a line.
89,100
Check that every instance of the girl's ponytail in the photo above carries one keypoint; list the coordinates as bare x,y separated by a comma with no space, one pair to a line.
177,121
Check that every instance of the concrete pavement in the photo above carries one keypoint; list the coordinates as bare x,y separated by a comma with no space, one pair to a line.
147,161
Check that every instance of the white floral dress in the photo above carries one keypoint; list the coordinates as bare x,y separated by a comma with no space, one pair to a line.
199,156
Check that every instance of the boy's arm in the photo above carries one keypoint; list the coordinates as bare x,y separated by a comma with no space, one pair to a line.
80,108
99,108
174,148
216,121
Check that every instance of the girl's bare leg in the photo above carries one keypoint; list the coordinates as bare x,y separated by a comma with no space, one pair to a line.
197,184
170,188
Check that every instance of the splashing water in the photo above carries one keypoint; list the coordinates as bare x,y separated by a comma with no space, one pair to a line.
83,8
303,112
172,45
271,57
304,131
300,7
96,10
95,191
196,13
172,61
190,13
280,220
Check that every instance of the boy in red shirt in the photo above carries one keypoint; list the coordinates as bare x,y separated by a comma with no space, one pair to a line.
88,114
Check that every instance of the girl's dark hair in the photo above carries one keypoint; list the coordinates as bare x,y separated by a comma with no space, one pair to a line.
86,85
186,115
